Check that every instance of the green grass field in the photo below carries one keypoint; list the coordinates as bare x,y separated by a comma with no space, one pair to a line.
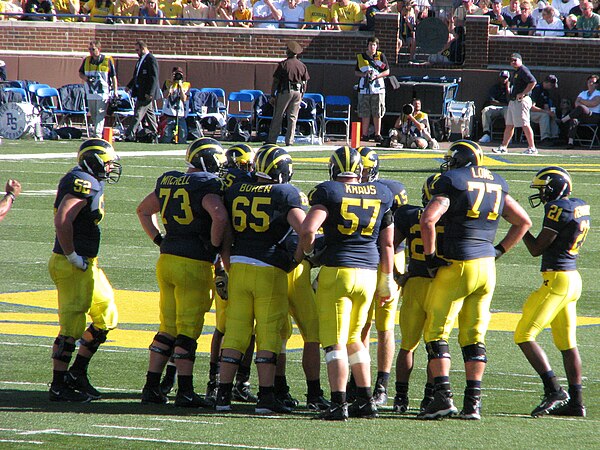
28,325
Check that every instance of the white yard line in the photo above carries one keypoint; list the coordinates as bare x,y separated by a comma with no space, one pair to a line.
16,441
201,422
117,427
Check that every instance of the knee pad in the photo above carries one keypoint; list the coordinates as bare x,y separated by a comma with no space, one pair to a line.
163,340
360,357
437,350
266,359
335,355
230,360
188,344
474,352
98,337
64,349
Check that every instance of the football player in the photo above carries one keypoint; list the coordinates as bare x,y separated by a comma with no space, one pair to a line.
473,199
82,286
565,227
237,169
416,283
355,218
192,213
262,214
385,315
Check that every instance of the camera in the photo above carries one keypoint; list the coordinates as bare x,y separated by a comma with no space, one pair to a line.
92,78
178,76
408,109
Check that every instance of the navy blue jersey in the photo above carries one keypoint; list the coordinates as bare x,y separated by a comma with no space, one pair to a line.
476,203
259,216
233,175
86,232
355,213
398,190
570,219
186,222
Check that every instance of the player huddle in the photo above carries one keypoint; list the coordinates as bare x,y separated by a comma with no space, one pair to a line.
234,230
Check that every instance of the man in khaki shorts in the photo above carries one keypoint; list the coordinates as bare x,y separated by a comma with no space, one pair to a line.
372,67
519,105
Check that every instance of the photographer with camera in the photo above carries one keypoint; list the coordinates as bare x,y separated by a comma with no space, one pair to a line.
412,129
175,108
100,77
372,67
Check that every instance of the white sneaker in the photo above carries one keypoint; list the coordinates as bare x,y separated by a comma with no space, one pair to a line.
531,151
501,149
485,139
433,144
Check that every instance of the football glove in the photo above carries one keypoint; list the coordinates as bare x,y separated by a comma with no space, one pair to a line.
81,262
499,251
433,263
221,282
401,278
386,286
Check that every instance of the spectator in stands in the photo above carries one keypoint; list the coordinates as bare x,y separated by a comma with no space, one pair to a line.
484,6
292,11
13,7
577,10
549,24
98,73
545,99
571,26
12,189
499,17
172,9
99,10
408,23
347,14
372,67
454,50
496,105
223,13
371,10
67,7
175,107
564,6
589,22
266,14
2,70
242,12
198,11
317,12
151,13
586,108
36,10
466,8
127,8
524,22
512,9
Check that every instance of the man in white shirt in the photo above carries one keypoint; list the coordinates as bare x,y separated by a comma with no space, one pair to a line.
564,6
293,11
266,14
549,25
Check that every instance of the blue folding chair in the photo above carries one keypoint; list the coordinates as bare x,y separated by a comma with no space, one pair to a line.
32,89
51,104
124,110
314,122
20,91
242,112
336,110
220,93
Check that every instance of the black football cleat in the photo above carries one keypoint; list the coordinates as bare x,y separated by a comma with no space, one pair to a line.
269,404
153,395
317,403
400,403
471,408
569,409
286,398
223,400
380,395
192,400
441,406
81,383
425,402
211,391
241,393
550,402
363,408
335,412
65,393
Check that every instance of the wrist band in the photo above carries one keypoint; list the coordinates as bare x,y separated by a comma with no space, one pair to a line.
11,195
158,239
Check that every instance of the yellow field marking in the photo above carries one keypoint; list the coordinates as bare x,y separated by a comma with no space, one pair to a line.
137,307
